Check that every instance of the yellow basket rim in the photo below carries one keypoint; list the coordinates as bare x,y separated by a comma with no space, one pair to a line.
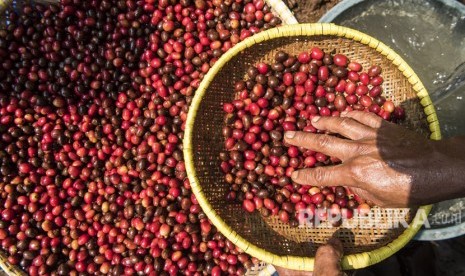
352,261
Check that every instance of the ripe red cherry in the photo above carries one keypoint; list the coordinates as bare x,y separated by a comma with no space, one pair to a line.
304,57
262,68
340,60
25,168
300,78
317,53
355,66
323,73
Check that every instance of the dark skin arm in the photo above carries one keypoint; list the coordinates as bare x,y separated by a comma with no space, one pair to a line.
383,162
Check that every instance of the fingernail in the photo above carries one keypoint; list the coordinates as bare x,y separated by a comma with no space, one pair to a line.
290,134
316,119
295,174
343,113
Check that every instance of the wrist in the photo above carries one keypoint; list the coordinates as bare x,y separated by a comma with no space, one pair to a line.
449,165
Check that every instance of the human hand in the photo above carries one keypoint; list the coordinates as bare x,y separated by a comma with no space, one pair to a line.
327,261
381,161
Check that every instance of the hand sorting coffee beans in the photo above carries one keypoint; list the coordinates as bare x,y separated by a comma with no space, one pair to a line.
285,96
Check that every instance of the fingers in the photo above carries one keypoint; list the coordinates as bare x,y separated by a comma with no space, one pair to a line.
328,259
347,127
322,176
329,145
336,244
366,118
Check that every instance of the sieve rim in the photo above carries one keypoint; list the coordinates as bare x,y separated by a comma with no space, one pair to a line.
352,261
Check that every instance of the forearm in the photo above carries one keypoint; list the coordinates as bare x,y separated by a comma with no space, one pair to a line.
448,172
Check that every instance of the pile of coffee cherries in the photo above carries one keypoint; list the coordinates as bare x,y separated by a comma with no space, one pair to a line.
285,96
94,96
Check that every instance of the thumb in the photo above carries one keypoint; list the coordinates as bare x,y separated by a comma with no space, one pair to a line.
328,259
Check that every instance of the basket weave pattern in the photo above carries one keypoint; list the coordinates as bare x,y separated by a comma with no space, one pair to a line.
269,239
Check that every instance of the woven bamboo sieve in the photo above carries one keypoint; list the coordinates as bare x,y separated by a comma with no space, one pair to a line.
268,239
